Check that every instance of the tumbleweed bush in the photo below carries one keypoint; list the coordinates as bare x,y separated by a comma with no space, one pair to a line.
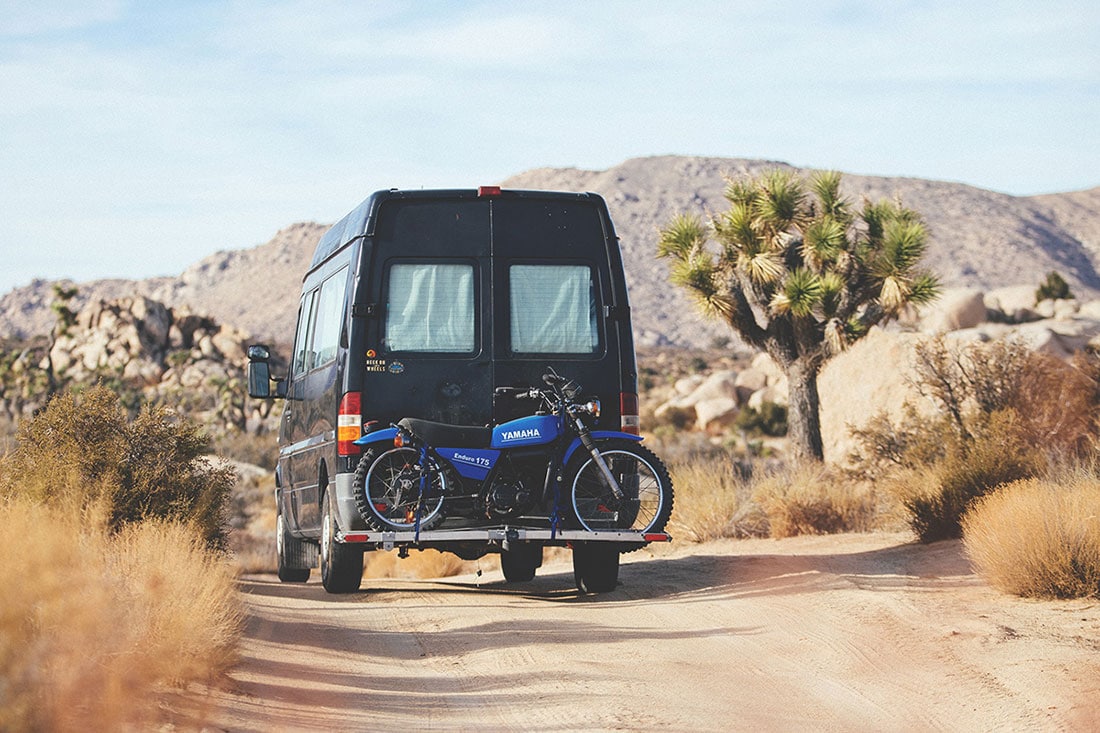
1038,537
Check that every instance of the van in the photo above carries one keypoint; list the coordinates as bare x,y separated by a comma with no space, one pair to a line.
420,304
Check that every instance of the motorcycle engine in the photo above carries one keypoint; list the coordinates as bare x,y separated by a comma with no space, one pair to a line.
508,497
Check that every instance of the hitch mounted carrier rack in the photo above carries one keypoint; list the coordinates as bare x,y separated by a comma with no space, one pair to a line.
387,540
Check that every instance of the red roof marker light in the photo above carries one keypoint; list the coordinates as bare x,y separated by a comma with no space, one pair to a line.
488,190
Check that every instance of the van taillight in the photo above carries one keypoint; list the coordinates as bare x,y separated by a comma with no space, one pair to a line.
628,409
349,423
488,190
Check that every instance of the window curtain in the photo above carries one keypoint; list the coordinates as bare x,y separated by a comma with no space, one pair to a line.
430,308
553,309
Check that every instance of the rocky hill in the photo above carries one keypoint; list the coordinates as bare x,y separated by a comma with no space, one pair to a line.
980,239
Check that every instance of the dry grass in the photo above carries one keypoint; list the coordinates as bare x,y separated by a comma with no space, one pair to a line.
712,501
1038,537
93,625
813,500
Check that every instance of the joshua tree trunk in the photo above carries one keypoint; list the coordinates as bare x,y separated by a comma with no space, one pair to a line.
803,419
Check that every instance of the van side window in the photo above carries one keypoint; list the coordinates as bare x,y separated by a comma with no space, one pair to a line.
430,307
553,309
330,314
302,359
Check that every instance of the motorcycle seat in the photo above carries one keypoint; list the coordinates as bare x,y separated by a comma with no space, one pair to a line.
442,435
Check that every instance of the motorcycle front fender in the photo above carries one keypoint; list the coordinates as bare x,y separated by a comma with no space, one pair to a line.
385,435
598,435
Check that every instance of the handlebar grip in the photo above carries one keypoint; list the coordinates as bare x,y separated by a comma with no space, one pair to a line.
518,392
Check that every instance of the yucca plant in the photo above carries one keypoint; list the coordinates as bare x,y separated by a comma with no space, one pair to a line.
796,271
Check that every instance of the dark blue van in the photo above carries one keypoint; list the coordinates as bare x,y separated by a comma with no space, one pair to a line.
420,304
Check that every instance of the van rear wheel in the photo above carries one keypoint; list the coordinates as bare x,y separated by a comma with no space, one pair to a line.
341,565
292,554
596,567
519,561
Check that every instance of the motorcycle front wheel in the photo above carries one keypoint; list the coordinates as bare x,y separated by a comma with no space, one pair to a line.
647,489
387,491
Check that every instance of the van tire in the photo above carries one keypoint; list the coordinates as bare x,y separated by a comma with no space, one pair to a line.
376,461
292,554
341,565
519,562
596,567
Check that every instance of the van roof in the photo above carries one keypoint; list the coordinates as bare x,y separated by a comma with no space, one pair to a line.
360,220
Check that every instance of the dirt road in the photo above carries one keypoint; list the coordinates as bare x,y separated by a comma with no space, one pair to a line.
851,632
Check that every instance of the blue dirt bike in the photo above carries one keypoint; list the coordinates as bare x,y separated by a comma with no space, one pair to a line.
549,466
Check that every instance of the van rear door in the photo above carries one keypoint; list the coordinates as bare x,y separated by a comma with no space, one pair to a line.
556,285
474,292
427,352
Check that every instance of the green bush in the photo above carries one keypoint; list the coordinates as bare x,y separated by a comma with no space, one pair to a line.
84,450
770,420
1053,288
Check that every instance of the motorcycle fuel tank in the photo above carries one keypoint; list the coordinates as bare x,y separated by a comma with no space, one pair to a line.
526,431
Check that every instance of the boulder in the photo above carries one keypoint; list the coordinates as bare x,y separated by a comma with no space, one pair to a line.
714,415
956,308
871,376
751,379
1062,310
775,393
686,385
763,362
1089,310
1014,304
1059,338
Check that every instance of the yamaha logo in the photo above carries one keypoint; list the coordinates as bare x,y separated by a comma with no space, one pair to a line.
520,434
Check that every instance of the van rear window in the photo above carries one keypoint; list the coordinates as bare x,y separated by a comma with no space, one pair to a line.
430,307
553,309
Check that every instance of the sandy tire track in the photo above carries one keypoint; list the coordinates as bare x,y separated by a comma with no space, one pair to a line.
850,632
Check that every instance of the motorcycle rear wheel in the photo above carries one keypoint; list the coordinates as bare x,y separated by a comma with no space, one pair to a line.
387,491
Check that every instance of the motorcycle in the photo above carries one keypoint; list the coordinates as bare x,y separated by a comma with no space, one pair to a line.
415,473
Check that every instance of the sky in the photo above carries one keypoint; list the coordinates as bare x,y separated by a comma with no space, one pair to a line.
137,137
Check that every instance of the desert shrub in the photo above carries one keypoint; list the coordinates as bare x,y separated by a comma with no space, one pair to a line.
95,625
937,495
770,420
1038,537
811,499
1053,288
671,420
83,450
884,446
1004,414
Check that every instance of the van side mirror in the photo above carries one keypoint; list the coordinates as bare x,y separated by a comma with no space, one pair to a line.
259,374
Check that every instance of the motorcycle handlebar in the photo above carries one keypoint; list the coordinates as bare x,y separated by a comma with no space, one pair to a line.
518,392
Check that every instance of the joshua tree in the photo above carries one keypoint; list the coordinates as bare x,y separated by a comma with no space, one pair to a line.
800,275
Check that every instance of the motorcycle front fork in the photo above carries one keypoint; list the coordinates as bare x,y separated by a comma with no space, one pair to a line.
597,457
